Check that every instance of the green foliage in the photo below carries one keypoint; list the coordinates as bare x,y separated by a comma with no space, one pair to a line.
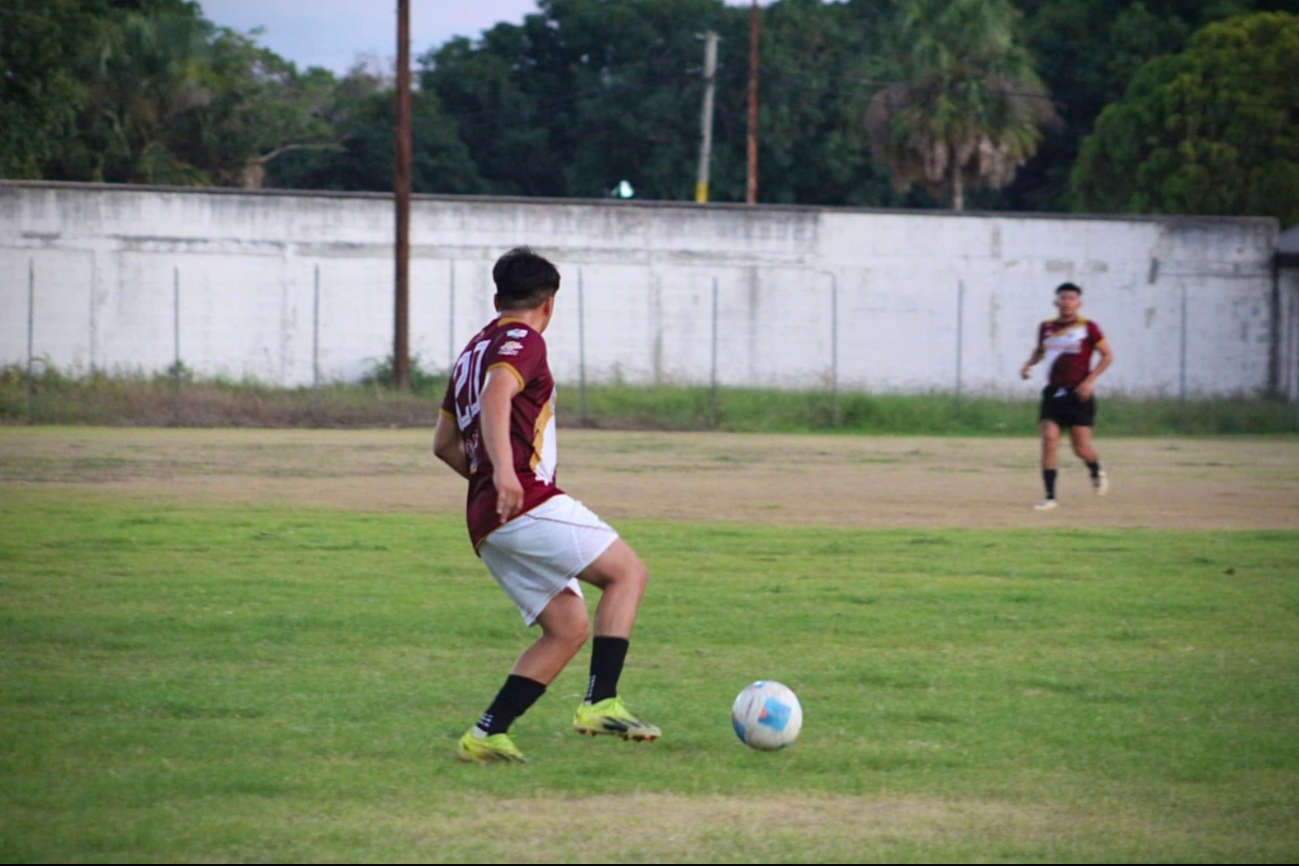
753,410
586,93
422,381
580,96
42,43
142,400
1087,54
147,92
258,107
143,77
363,114
970,109
1212,130
816,58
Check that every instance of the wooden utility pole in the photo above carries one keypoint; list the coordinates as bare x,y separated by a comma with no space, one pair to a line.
706,146
751,193
401,185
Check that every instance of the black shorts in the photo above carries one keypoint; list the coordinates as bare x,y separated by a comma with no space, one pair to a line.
1066,409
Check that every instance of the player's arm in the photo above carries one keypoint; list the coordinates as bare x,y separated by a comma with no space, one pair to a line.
448,446
1086,386
1038,354
503,384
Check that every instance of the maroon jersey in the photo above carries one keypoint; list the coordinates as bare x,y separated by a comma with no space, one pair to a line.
1068,350
513,346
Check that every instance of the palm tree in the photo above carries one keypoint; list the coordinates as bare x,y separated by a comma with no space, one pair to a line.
970,110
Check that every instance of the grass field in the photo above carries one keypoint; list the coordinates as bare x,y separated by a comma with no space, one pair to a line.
216,647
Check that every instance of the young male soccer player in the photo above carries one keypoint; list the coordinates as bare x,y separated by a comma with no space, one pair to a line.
1067,343
497,429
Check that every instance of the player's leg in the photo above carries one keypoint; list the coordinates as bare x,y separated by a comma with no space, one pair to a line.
622,578
564,630
1081,436
532,561
1050,457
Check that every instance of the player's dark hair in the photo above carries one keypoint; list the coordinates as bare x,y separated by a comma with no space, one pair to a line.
1068,287
524,279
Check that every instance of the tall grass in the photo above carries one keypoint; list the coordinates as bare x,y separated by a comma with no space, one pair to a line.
755,410
168,399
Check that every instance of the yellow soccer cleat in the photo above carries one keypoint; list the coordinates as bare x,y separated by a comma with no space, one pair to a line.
611,716
476,747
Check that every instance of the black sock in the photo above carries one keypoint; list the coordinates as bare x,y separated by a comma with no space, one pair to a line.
607,657
1048,476
1094,467
512,701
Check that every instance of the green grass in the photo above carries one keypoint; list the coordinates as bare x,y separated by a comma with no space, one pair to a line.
756,410
201,683
158,400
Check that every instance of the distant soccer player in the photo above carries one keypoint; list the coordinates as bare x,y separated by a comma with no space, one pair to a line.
1067,343
497,429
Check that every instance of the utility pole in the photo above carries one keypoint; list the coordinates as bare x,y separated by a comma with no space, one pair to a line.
401,184
751,193
706,148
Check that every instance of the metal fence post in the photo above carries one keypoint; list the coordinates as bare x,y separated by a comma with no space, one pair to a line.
1182,420
834,349
175,368
31,329
712,396
1294,382
960,336
315,346
581,346
451,318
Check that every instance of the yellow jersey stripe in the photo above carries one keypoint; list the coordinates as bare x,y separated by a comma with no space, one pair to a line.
539,433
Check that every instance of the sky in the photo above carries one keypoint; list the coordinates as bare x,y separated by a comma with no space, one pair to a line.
336,34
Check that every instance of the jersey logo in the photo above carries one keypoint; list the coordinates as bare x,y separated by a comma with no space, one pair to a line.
517,333
510,348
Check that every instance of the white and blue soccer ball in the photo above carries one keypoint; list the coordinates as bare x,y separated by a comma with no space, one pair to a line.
767,716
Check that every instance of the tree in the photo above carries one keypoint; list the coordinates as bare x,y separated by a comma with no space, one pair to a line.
42,45
815,58
971,109
257,107
586,93
583,94
363,115
1087,54
507,127
143,78
146,91
1211,130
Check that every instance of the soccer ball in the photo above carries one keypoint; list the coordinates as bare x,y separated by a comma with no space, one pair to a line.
766,716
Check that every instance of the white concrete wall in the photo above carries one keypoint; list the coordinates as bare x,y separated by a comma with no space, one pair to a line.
887,288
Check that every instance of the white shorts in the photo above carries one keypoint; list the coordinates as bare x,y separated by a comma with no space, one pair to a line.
539,554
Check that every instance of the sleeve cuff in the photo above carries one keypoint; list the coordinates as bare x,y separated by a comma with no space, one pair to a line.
505,365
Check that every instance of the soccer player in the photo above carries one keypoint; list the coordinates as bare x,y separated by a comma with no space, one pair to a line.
1067,343
497,429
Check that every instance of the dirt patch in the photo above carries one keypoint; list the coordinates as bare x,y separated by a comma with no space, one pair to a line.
662,828
1238,483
